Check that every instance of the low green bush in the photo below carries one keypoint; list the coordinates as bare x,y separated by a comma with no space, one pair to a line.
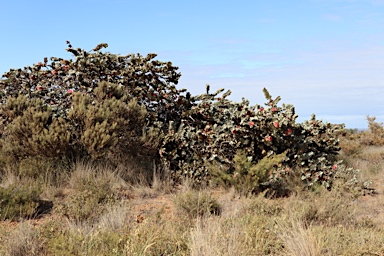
19,200
248,177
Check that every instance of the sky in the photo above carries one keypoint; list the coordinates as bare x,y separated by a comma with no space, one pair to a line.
323,56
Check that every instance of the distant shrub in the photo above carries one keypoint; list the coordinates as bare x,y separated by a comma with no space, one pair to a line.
350,146
374,136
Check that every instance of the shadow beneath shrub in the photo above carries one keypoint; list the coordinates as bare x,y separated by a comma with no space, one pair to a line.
44,207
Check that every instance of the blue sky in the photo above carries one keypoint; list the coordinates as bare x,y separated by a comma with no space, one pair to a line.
323,56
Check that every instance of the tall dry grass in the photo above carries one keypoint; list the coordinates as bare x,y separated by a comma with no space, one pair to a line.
299,239
317,222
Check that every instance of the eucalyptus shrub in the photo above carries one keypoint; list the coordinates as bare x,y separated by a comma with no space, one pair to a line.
214,129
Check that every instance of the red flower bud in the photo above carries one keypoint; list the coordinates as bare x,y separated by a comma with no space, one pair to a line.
288,132
251,123
276,124
69,91
268,138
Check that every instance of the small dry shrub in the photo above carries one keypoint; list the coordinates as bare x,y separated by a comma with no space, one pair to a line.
92,190
375,134
83,205
350,146
372,154
197,203
24,240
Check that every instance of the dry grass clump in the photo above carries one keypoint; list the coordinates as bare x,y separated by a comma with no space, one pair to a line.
92,189
298,239
24,240
215,236
158,185
114,218
158,235
86,176
339,240
326,208
197,203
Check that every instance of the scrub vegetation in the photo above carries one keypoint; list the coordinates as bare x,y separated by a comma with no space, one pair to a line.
103,155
